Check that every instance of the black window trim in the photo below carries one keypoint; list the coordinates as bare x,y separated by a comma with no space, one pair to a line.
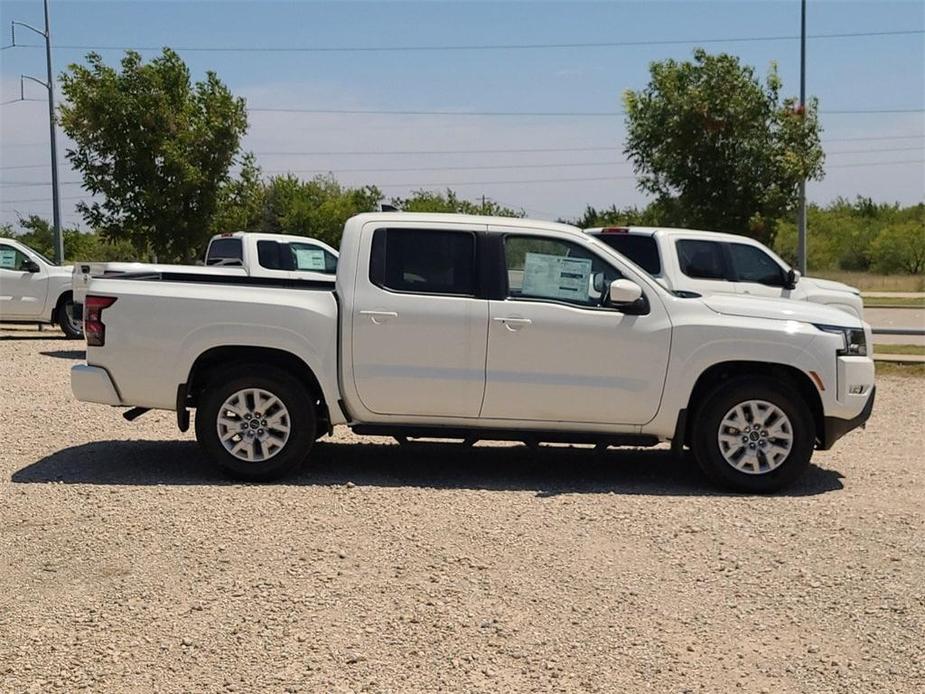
477,275
505,282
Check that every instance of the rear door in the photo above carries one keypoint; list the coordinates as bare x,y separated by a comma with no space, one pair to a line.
22,293
556,353
419,326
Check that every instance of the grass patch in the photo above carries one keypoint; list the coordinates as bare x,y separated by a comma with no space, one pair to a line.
904,301
899,349
869,282
885,368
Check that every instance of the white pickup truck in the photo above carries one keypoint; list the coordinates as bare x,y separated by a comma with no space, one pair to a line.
35,290
244,254
709,262
455,326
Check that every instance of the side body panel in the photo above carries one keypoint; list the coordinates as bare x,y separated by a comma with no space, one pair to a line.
155,331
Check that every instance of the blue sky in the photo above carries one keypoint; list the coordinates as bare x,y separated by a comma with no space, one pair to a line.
846,74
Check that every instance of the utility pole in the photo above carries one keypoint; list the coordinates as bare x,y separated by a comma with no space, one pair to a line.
49,84
801,215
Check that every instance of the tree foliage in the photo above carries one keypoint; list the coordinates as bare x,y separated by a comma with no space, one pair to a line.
449,202
719,149
156,147
36,233
859,235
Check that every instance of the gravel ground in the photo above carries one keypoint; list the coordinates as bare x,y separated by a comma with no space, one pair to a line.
127,564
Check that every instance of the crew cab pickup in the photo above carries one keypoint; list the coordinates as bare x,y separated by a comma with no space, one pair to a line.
35,290
709,262
247,254
455,326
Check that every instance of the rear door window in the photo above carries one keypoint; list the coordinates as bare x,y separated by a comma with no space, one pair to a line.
424,261
642,250
225,252
702,260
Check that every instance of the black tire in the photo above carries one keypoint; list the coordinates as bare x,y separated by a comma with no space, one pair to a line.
63,315
293,395
706,427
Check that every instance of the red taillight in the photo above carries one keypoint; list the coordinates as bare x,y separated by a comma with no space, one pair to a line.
93,321
615,230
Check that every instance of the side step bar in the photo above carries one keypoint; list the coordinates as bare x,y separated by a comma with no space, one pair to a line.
527,436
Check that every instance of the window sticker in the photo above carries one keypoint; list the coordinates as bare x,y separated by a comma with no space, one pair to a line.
557,277
8,258
309,259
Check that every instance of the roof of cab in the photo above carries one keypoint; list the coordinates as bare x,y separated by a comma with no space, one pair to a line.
667,231
445,218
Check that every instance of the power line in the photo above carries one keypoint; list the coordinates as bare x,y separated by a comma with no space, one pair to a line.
877,163
483,47
544,114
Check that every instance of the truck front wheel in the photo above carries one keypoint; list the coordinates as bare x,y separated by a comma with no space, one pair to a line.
753,435
257,422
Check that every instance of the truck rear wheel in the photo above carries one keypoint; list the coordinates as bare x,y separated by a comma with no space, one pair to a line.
257,422
72,327
753,435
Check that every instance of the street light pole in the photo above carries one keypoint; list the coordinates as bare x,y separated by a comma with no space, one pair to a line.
49,84
801,216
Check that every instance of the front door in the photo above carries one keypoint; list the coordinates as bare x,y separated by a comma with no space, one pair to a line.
22,293
557,353
418,325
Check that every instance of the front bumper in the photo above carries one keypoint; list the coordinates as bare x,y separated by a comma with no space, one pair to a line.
836,427
93,384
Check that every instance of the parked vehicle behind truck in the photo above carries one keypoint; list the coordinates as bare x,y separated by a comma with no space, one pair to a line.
467,327
246,254
35,290
708,262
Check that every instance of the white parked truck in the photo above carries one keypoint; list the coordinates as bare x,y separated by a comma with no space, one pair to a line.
455,326
244,254
709,262
35,290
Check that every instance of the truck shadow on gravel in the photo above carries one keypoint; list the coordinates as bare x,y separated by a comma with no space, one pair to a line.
547,472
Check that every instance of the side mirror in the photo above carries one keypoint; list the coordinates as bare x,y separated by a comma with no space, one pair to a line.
793,276
30,266
623,292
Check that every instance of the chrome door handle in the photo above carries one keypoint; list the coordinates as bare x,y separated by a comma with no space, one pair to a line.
514,321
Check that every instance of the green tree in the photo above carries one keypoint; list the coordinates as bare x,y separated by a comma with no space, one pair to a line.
36,232
718,147
449,202
318,207
241,200
155,146
900,248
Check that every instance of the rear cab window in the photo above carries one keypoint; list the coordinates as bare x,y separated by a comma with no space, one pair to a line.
225,251
642,249
424,261
702,260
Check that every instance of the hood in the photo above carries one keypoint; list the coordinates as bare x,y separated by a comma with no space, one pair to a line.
830,286
779,309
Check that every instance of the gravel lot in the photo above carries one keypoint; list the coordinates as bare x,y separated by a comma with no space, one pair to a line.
128,564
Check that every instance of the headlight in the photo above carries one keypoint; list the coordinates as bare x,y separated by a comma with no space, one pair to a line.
854,342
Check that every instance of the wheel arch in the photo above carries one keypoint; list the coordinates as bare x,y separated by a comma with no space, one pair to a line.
217,358
718,374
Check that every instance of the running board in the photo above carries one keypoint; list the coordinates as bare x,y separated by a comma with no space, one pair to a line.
525,435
